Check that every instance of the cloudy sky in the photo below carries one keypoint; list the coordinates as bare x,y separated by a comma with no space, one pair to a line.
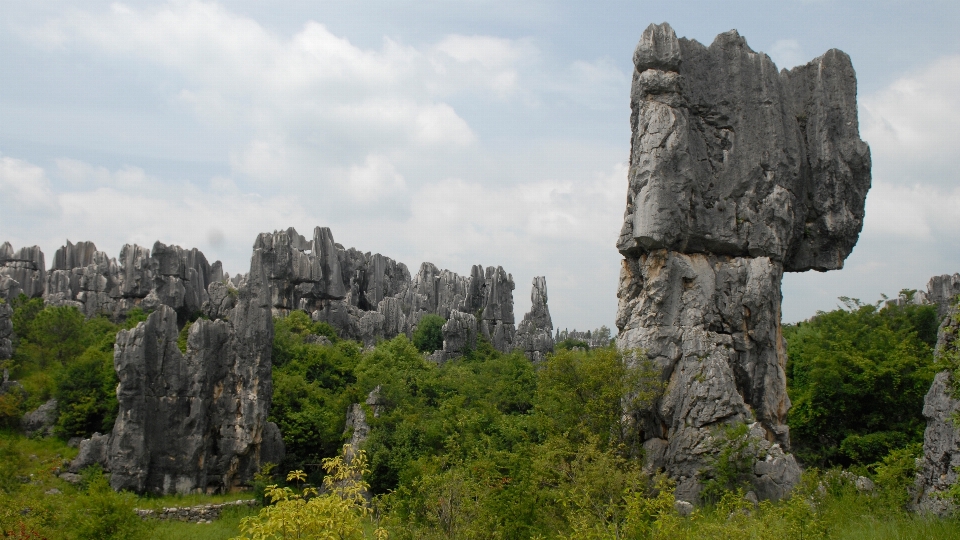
455,131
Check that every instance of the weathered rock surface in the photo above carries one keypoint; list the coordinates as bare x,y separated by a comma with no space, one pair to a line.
738,172
943,291
21,272
97,284
367,297
6,330
459,334
732,157
941,439
41,420
535,332
193,421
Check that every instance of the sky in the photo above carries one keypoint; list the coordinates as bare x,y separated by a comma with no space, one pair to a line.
459,132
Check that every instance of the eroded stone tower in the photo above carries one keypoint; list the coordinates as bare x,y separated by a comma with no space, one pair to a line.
738,173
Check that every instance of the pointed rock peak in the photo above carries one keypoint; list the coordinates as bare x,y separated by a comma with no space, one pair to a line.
538,294
729,39
658,49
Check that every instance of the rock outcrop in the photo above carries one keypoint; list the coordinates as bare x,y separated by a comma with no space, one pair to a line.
942,291
6,330
738,172
535,332
195,420
368,297
97,284
40,420
21,272
941,439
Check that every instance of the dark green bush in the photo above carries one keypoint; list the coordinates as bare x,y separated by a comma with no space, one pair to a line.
428,336
857,378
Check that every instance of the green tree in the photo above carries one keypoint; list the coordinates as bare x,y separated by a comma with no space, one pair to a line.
857,378
428,336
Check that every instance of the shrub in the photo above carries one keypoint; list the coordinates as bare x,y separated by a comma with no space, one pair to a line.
857,378
428,336
338,514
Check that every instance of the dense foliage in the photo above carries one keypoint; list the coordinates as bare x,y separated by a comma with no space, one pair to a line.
428,336
60,353
313,385
491,446
857,378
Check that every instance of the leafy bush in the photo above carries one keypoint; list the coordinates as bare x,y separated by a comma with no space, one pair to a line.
99,513
857,378
428,336
337,514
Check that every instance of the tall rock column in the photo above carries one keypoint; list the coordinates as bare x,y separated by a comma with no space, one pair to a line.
738,172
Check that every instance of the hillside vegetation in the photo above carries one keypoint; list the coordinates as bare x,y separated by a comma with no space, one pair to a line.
491,446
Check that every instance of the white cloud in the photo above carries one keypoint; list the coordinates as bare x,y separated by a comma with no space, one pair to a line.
24,186
375,179
912,212
787,54
913,125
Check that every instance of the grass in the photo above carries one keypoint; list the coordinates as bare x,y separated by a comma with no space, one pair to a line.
227,526
192,499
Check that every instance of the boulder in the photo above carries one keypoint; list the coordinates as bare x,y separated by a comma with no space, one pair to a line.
738,173
40,420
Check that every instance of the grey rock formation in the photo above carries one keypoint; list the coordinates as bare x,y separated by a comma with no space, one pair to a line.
732,157
738,172
941,439
598,337
194,421
535,332
6,330
97,284
943,291
41,420
459,334
368,297
21,272
83,277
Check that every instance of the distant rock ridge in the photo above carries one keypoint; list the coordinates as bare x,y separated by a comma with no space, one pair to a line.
598,337
368,297
738,172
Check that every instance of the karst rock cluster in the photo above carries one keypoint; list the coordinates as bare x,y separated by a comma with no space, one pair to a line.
738,172
197,420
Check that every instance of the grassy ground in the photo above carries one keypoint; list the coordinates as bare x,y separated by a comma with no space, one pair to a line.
227,526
